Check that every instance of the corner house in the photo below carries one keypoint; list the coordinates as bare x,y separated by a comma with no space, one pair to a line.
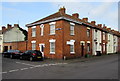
61,36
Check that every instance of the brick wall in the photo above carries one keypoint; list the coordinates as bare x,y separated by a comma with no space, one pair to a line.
45,40
61,37
104,42
80,35
22,46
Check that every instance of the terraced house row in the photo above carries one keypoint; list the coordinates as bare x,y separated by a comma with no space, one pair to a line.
61,36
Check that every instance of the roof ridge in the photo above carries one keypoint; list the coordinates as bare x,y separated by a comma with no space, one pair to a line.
57,13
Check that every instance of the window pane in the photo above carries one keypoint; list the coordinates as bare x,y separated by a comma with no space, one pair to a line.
52,29
33,46
71,48
88,33
52,46
33,32
71,29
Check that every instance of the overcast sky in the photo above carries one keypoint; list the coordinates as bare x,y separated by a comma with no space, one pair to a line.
104,12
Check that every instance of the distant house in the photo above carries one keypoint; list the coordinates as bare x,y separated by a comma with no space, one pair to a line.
14,38
1,41
119,44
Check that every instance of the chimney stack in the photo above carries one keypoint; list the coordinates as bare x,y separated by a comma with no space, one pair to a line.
62,10
109,29
100,25
85,19
93,22
104,26
9,26
16,25
113,30
3,28
76,15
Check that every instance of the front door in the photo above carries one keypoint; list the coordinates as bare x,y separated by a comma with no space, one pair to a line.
5,48
82,49
42,48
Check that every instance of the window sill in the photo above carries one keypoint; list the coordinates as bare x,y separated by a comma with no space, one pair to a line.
52,52
41,35
72,52
33,37
51,34
72,34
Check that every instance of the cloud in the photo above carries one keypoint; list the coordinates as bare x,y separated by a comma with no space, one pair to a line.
60,0
0,14
98,10
14,16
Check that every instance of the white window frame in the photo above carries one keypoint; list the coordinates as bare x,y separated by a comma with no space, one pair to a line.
72,28
88,32
73,50
42,29
71,43
34,33
33,42
52,41
52,28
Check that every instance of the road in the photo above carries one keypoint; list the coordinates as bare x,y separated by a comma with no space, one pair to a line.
101,67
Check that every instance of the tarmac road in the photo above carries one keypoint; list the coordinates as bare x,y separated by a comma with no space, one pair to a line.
101,67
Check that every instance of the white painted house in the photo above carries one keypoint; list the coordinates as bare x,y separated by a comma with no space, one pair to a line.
13,35
96,41
1,42
110,43
115,44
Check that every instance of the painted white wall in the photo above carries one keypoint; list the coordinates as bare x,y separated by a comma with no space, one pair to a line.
1,43
97,37
115,44
110,43
13,35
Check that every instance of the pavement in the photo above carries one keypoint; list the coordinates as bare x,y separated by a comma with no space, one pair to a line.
99,67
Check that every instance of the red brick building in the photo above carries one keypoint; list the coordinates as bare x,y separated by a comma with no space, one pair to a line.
61,36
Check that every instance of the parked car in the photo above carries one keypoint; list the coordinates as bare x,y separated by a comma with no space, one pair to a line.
12,54
31,55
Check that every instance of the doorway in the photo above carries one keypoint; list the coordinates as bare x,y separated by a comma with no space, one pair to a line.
42,46
82,49
5,48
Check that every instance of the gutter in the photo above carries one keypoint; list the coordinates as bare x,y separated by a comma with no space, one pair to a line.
54,19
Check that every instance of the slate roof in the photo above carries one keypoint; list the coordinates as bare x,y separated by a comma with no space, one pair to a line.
59,14
24,31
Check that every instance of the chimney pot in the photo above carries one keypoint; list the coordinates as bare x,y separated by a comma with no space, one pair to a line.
93,22
76,15
62,10
109,29
100,25
9,26
85,19
105,27
3,28
16,25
